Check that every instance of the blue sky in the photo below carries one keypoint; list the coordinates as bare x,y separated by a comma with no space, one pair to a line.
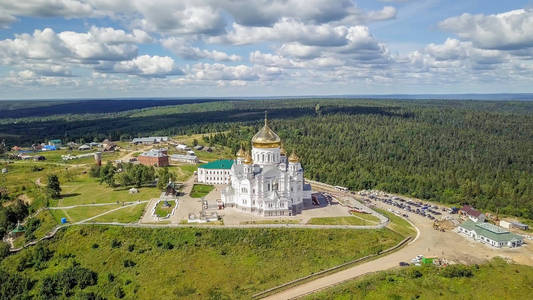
219,48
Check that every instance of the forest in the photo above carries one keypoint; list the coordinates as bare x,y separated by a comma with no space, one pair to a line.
451,151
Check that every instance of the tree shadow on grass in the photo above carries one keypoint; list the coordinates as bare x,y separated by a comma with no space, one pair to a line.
69,195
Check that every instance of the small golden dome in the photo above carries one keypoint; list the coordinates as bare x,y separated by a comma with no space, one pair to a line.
266,137
241,153
248,159
293,158
282,151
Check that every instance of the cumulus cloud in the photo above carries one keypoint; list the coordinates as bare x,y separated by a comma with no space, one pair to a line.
179,47
97,44
509,30
51,54
146,65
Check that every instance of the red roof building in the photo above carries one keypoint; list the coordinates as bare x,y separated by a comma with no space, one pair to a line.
472,213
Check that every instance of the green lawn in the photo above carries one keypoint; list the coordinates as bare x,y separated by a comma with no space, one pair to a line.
81,213
368,217
339,221
494,280
201,190
184,171
398,224
128,214
86,190
199,263
162,211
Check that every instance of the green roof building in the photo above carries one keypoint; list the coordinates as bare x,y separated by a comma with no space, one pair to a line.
215,172
56,142
19,230
218,164
493,235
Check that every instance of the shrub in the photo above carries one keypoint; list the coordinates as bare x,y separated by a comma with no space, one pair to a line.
454,271
31,225
119,293
14,286
65,281
129,263
89,296
116,244
4,250
36,257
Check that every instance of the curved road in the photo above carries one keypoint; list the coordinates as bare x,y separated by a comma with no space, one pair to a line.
428,242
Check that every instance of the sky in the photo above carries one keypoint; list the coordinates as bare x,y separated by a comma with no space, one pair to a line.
240,48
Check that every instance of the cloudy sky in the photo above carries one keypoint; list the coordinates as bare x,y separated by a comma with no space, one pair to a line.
219,48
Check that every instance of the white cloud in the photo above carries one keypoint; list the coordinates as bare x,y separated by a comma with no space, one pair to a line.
179,47
509,30
146,65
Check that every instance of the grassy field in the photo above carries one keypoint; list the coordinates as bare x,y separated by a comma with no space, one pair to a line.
367,217
494,280
199,263
86,190
398,224
163,211
184,171
352,220
128,214
80,213
201,190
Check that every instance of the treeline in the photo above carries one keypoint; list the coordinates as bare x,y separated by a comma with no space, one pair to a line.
124,174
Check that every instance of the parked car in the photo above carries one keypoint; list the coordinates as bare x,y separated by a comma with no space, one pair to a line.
403,264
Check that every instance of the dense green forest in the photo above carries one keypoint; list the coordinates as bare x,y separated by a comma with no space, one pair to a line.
477,152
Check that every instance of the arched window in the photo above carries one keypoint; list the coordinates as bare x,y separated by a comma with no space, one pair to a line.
262,157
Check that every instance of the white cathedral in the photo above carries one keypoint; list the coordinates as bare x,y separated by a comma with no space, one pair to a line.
267,182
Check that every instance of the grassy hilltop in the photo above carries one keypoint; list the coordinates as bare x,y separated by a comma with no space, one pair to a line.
193,263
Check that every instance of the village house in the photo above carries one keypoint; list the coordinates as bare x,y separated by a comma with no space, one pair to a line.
472,213
150,140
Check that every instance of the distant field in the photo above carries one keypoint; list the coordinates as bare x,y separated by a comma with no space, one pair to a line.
24,109
494,280
198,263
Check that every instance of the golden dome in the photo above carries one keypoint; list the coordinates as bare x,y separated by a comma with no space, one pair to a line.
266,138
293,158
241,153
248,159
282,151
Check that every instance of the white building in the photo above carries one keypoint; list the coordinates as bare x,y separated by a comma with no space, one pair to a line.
186,158
150,140
182,147
266,182
490,234
215,172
